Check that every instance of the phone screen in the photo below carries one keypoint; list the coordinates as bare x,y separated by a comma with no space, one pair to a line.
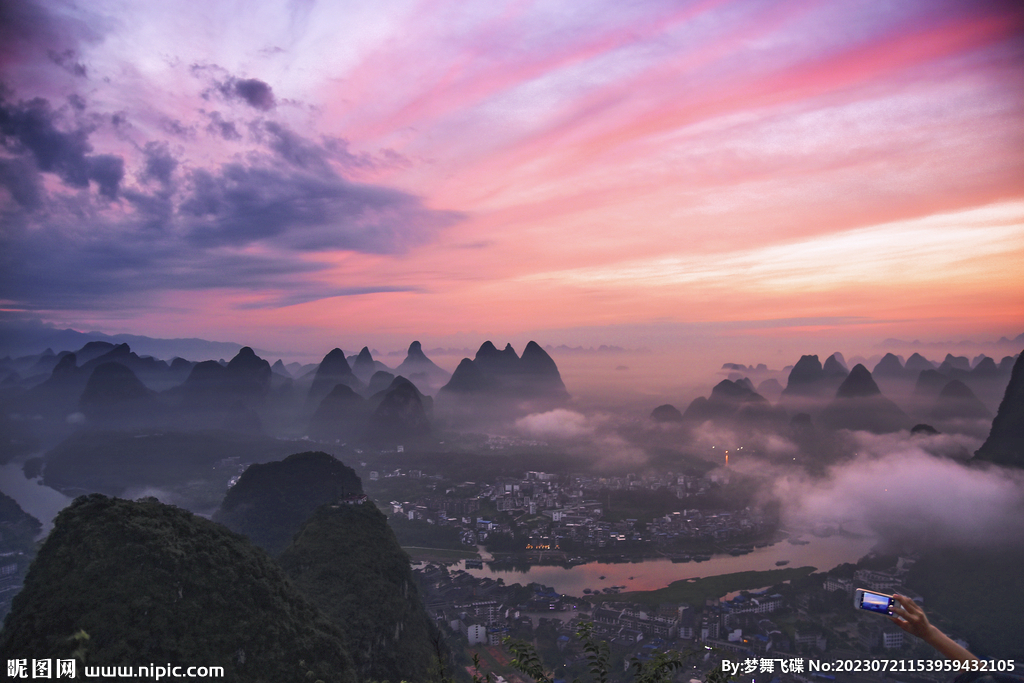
876,603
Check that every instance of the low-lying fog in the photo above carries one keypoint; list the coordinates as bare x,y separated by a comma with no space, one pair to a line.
917,489
909,487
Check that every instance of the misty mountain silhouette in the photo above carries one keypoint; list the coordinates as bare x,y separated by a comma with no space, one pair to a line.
222,396
114,394
59,394
45,363
244,380
770,389
834,372
205,385
924,429
364,366
468,378
379,381
956,400
731,400
341,415
860,405
400,417
333,370
859,384
152,372
952,362
494,362
834,365
422,371
93,349
500,377
985,367
806,378
248,376
1005,442
930,383
179,370
890,366
278,368
666,413
916,363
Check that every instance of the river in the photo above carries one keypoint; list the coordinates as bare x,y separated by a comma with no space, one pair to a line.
42,502
821,553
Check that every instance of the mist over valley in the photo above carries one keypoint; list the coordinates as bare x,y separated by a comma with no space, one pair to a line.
457,341
916,456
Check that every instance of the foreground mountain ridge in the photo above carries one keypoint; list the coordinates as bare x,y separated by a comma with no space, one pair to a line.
149,582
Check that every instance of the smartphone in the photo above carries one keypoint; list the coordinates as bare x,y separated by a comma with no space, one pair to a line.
879,603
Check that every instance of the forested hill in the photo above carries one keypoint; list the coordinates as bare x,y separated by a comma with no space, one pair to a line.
272,500
348,561
153,583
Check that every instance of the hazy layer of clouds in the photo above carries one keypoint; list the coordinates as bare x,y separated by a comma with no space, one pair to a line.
594,439
920,489
558,424
905,489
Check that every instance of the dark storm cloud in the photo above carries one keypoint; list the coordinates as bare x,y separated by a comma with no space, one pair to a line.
98,267
283,207
29,128
107,171
72,255
160,165
252,91
155,220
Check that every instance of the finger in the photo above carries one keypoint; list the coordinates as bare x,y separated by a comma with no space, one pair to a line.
907,603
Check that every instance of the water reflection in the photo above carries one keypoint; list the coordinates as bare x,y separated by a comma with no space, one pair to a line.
821,553
42,502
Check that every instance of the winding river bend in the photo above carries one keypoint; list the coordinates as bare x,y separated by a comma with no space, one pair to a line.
821,553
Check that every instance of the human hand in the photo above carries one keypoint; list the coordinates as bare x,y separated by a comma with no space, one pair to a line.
910,617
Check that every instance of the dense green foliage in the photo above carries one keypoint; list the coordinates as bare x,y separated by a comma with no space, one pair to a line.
149,582
271,501
348,561
658,669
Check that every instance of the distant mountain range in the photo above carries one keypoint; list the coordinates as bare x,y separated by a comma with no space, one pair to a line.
1016,342
946,394
27,338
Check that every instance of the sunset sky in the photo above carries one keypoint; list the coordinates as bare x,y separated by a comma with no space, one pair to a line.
722,173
